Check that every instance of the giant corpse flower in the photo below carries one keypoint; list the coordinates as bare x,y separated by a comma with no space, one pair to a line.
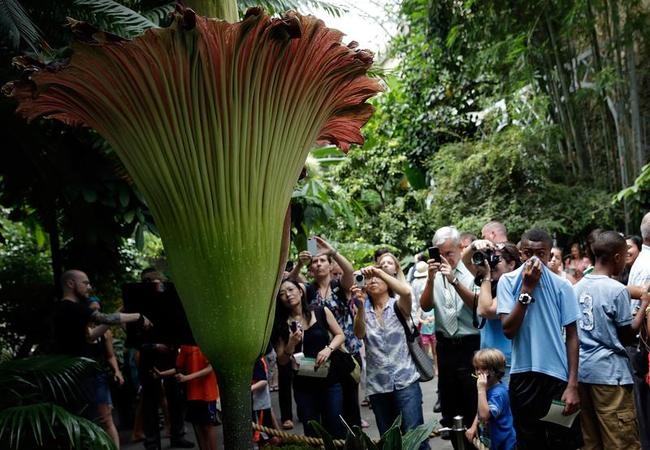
213,121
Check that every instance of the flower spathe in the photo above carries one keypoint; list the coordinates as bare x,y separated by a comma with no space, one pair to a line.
213,121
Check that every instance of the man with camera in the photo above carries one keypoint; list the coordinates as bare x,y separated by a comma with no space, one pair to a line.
536,307
449,291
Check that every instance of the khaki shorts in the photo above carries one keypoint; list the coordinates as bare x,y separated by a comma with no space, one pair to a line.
608,417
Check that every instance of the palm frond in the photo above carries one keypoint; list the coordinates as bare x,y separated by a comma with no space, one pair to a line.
159,14
114,17
53,377
280,6
17,26
45,425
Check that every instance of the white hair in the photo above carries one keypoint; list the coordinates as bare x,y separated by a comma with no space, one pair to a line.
445,234
645,227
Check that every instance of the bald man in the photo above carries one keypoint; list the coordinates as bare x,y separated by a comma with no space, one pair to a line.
72,315
495,231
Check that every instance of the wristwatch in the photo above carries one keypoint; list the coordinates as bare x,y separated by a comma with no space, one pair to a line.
525,298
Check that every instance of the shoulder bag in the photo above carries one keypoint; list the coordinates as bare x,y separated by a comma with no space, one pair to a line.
423,362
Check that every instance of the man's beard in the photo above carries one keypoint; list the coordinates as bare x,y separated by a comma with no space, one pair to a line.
80,295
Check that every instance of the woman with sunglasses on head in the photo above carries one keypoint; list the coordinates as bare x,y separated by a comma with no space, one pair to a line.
392,380
299,330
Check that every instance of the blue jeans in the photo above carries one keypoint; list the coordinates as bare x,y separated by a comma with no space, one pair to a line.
322,404
407,402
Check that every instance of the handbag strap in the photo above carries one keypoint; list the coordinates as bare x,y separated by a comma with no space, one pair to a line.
475,321
410,335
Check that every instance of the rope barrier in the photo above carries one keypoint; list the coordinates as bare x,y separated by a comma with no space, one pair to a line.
290,437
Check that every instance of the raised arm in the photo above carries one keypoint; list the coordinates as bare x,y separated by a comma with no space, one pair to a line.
359,298
487,305
325,247
398,287
304,259
116,318
531,275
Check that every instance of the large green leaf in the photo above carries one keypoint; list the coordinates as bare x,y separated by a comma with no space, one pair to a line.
17,26
54,377
113,16
46,425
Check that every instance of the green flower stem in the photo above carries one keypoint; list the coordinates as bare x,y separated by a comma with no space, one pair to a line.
219,9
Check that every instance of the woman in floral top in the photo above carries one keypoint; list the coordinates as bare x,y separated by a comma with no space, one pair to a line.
392,378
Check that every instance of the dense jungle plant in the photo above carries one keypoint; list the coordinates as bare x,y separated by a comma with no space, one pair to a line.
32,391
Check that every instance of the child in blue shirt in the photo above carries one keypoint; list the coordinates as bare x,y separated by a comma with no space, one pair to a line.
493,421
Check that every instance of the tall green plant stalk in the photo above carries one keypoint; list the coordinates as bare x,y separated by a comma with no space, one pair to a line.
214,122
221,9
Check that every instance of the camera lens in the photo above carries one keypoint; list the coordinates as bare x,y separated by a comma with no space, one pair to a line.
478,258
359,278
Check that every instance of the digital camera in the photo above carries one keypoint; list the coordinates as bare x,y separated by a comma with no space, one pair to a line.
480,256
359,280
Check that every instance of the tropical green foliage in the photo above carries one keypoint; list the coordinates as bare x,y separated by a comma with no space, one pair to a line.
23,252
514,177
32,391
392,439
524,113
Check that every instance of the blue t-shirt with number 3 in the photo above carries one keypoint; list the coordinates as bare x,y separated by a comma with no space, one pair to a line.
605,305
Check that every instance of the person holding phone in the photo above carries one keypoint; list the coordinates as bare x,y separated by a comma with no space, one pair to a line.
449,292
299,329
326,290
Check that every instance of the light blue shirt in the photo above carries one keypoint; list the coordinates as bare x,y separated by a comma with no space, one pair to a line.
389,365
539,345
449,306
427,328
605,305
492,337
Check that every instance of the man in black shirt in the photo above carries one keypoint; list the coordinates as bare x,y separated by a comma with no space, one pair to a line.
72,315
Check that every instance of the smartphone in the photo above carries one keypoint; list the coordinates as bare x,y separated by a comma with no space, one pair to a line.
434,253
293,326
312,247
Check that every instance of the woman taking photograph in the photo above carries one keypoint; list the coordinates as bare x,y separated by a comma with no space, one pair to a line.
489,323
299,330
391,377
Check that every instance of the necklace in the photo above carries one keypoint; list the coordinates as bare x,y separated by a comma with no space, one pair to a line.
327,292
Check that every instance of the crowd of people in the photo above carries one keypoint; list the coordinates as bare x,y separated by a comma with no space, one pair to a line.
534,351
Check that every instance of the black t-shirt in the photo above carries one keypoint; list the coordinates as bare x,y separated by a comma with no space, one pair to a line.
71,322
